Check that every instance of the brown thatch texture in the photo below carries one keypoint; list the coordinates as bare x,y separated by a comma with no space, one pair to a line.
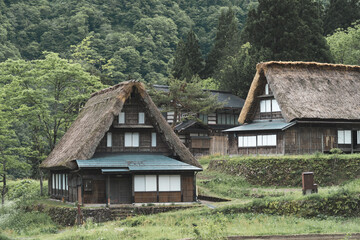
85,134
307,90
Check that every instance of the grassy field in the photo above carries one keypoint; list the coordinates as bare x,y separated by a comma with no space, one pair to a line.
199,223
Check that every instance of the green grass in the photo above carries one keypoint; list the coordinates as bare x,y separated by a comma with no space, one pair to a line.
203,224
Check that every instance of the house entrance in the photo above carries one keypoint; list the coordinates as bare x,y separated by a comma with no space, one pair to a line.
120,189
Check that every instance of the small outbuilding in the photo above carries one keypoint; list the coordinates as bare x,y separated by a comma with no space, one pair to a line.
121,150
299,108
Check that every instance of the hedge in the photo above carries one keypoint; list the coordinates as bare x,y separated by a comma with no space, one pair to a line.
286,170
343,203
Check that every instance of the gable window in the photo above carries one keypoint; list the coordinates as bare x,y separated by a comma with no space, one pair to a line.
145,183
141,117
153,139
109,139
267,89
269,105
131,139
169,183
121,118
344,136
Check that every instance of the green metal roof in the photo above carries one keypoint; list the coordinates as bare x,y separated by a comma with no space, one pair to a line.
259,126
135,162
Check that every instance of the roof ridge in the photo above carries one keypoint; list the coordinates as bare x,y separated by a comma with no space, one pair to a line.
308,64
105,90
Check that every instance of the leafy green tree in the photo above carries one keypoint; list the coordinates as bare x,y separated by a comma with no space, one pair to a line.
188,59
10,150
46,96
288,29
226,41
340,14
345,45
185,97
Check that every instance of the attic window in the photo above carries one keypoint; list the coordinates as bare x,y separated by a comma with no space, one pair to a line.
121,118
141,117
109,139
268,90
269,105
132,139
153,139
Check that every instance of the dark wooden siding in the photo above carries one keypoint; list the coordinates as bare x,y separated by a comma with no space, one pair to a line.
169,196
187,188
121,189
143,197
301,139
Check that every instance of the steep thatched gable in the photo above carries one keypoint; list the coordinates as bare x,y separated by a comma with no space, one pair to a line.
307,90
96,118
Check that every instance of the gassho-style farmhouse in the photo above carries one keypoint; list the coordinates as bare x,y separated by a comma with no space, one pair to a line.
299,108
121,149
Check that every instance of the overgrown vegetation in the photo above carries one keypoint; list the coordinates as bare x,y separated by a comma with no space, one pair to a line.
15,218
286,170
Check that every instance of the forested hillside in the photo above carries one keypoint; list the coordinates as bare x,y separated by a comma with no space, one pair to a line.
130,39
54,53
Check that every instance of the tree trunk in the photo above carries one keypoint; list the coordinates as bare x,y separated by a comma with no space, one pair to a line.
41,183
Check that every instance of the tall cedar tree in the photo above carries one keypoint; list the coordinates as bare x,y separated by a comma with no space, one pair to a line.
186,98
341,14
188,59
225,41
287,30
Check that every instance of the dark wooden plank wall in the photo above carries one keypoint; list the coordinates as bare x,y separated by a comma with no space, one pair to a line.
143,197
187,188
98,191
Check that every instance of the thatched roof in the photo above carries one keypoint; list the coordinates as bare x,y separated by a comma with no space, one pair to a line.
96,118
307,90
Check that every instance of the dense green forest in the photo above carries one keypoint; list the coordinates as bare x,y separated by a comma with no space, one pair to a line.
54,53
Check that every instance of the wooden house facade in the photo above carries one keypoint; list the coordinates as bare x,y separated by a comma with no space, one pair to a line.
120,150
299,108
205,136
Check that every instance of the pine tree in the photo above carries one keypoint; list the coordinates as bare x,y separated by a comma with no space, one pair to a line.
288,30
341,14
187,59
225,41
185,97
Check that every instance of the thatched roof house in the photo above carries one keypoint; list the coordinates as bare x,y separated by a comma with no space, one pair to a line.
304,93
96,118
120,149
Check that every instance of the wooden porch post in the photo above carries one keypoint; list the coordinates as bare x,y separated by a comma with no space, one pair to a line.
108,191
